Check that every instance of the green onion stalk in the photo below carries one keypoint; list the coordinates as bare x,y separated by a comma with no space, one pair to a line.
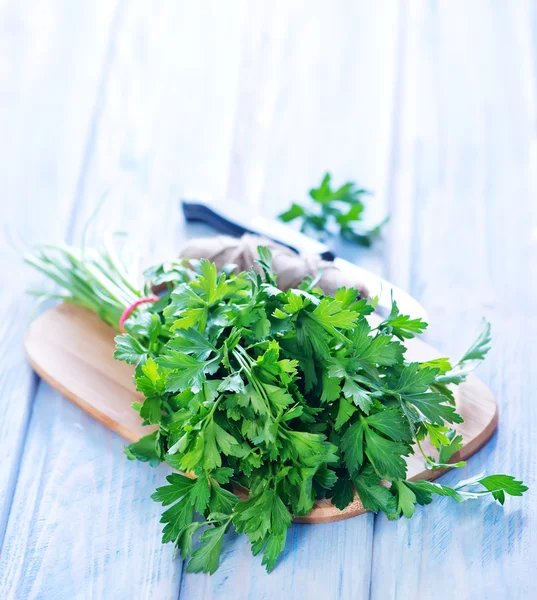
94,278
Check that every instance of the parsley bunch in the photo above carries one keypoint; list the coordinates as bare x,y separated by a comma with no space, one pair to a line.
334,211
271,399
292,396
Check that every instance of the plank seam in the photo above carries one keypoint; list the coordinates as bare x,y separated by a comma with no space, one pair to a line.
96,117
393,162
183,573
12,484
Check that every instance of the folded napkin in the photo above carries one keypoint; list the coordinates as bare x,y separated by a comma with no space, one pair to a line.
290,267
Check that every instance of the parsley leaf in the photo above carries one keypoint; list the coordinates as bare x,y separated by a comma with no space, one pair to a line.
343,492
385,455
374,496
392,423
495,485
470,360
433,406
454,444
345,412
206,557
402,326
146,449
334,210
352,446
129,349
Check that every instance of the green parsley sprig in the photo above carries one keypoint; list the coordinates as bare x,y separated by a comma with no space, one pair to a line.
291,396
334,211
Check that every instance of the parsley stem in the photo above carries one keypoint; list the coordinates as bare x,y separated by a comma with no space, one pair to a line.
427,459
210,415
94,279
242,356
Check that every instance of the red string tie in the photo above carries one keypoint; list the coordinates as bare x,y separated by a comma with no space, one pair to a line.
129,310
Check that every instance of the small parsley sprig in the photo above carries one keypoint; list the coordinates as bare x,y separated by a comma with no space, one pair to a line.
271,400
334,211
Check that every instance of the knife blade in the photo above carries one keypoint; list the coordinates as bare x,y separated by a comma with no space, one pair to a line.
236,220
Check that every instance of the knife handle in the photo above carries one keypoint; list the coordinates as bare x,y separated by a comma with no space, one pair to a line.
199,212
273,230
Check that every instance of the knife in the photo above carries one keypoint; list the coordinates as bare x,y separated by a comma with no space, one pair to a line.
235,220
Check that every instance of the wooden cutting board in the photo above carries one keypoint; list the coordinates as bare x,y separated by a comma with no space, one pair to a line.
72,350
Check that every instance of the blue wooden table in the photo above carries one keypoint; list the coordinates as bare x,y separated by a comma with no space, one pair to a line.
431,104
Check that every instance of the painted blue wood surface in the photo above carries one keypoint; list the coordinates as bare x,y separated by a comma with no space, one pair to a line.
50,66
432,105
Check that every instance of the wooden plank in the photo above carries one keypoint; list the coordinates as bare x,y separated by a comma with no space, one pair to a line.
50,65
463,237
81,525
164,129
167,124
316,94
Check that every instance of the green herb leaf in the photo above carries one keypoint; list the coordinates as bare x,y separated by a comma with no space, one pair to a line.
206,558
334,209
386,456
352,446
374,496
343,493
129,349
402,326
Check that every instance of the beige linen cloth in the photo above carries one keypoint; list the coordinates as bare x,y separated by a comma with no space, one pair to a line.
290,267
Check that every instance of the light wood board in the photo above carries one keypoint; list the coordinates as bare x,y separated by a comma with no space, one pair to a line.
72,349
